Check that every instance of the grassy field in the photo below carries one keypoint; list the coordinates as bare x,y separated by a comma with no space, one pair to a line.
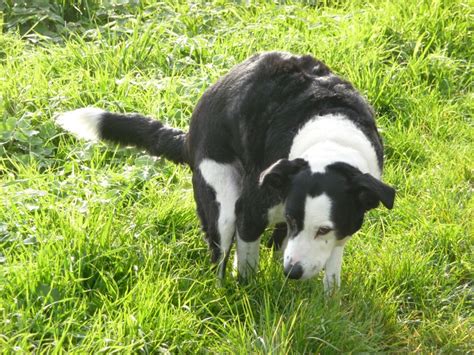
100,247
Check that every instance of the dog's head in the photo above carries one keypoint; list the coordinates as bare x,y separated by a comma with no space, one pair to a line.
321,209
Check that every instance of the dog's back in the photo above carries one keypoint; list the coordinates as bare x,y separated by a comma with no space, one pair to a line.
253,113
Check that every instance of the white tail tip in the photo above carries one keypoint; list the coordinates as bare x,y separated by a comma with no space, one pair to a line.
83,122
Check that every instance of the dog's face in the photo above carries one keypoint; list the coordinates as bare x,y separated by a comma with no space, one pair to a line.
321,209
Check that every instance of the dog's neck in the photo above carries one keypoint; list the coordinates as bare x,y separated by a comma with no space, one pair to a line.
334,138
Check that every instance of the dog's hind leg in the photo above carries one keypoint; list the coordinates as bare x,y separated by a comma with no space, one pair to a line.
208,212
217,188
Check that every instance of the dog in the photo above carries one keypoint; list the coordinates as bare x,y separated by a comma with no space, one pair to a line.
278,141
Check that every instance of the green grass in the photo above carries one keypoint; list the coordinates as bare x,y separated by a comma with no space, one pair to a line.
100,248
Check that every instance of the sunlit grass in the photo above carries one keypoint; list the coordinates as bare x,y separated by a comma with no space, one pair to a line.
100,248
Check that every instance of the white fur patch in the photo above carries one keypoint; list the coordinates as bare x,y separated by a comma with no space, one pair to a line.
331,138
84,122
276,214
225,180
317,212
307,249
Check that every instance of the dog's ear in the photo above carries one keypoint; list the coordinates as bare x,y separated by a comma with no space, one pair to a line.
369,191
279,174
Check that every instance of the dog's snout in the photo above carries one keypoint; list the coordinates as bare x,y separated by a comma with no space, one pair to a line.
293,271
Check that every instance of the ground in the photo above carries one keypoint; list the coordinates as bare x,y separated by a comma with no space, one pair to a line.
100,247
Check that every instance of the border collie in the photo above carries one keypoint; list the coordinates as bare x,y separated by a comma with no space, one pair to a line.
278,141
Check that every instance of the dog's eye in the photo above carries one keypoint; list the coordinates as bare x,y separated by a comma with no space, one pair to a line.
322,231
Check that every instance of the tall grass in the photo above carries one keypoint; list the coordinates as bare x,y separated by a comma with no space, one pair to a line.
100,248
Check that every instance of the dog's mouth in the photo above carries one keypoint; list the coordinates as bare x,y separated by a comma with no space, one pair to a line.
297,271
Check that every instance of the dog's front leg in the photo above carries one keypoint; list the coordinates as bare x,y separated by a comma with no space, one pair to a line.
247,256
332,276
251,222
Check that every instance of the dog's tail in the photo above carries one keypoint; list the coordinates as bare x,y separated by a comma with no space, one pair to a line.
127,129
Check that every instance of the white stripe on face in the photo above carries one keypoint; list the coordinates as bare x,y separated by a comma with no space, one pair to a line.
307,248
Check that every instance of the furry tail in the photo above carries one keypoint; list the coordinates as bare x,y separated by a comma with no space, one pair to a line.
127,129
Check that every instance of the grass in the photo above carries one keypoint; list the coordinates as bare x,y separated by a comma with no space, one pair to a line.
100,248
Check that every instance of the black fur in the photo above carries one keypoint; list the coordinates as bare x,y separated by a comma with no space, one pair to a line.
351,192
279,174
145,133
253,113
249,118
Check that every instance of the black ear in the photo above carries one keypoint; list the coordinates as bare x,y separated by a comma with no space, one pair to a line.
369,190
279,174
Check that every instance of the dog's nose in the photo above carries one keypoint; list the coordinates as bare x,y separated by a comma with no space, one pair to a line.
293,271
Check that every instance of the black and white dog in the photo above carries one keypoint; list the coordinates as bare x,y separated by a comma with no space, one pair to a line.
280,140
